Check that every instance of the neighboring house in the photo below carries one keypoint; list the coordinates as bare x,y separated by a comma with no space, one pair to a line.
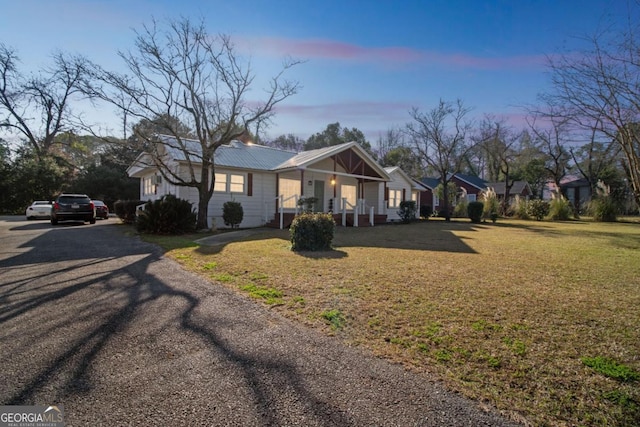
430,202
519,188
472,186
401,188
268,182
576,190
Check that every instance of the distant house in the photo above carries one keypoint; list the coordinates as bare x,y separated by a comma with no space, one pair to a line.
429,200
268,182
472,185
576,190
401,188
519,188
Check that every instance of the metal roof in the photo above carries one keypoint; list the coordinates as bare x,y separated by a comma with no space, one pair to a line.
234,155
259,157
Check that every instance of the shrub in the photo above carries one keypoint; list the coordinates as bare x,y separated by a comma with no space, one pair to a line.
603,207
426,211
521,208
538,209
232,213
126,210
474,211
167,215
460,210
407,211
491,204
312,232
560,209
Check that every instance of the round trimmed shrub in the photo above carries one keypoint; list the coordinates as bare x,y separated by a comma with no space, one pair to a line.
408,210
232,213
312,232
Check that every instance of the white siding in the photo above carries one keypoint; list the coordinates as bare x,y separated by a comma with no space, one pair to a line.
398,182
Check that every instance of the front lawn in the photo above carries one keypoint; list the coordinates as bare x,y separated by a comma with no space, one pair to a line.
531,317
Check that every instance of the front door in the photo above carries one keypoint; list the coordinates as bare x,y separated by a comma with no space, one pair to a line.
318,192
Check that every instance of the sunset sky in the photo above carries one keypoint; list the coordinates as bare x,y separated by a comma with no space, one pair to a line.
367,62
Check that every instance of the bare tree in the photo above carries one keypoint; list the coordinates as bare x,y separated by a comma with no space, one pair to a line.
595,159
37,107
191,78
501,145
553,143
439,137
289,142
600,90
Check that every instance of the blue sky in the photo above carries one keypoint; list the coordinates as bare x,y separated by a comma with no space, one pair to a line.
367,62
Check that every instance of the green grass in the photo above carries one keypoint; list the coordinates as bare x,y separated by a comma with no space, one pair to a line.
611,368
501,313
335,318
269,295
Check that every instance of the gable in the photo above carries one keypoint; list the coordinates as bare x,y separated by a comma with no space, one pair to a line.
350,157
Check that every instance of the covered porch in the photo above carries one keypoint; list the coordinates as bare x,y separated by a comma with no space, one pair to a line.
342,180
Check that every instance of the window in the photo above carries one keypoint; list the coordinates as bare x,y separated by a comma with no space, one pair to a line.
229,183
348,192
149,185
288,189
395,197
471,197
221,183
236,184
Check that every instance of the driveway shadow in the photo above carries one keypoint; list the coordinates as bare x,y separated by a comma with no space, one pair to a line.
69,300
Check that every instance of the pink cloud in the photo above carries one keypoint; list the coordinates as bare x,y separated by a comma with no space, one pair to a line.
336,50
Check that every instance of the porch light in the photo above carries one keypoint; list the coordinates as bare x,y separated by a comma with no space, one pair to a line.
309,183
333,181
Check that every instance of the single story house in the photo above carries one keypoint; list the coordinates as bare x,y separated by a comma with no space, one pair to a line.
577,191
430,202
519,188
471,185
268,182
401,188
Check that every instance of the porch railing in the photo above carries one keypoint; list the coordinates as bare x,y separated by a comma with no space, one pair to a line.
281,201
360,208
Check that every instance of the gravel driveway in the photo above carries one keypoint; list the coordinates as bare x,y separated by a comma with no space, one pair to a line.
105,325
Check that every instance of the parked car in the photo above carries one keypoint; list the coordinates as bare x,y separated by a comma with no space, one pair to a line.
73,207
102,210
39,209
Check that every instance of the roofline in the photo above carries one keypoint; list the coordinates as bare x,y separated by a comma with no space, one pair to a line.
457,175
335,149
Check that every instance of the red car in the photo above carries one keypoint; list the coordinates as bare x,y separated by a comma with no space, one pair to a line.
102,211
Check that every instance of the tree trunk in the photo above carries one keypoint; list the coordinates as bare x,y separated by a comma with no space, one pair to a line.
205,191
203,211
445,200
